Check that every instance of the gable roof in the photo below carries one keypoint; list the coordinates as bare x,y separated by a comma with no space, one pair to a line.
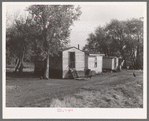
86,52
110,57
96,54
71,48
68,48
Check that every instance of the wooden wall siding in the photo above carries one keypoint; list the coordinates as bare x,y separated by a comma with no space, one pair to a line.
55,66
65,63
99,64
113,64
117,61
79,59
55,62
107,63
91,64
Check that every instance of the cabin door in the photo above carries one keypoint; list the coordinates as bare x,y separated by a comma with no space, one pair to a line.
71,59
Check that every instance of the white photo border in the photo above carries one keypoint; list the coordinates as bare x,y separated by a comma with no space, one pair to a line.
78,113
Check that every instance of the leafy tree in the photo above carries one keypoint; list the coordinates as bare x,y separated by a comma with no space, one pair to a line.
99,42
135,28
19,41
54,22
119,38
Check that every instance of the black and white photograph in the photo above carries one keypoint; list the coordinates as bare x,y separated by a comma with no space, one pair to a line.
74,59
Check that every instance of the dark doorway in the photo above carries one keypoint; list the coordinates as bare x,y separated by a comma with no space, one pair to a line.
71,59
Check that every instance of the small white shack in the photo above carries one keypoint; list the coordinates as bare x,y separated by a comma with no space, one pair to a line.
72,63
110,62
95,63
74,58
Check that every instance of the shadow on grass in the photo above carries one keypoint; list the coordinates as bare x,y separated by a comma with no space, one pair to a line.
30,75
23,75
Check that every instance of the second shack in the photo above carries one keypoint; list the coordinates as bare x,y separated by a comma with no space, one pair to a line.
95,63
110,62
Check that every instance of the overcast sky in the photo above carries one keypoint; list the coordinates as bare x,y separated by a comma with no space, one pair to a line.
93,15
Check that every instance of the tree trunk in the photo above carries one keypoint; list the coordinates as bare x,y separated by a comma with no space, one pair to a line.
21,66
46,73
137,58
21,62
17,65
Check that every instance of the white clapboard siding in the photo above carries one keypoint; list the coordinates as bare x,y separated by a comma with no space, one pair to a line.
79,60
113,65
91,64
99,64
65,63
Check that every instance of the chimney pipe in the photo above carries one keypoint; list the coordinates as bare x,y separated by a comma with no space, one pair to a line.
78,46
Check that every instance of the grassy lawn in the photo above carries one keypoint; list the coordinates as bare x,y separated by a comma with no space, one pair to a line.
109,90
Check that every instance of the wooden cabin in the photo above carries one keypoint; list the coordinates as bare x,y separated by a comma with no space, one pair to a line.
95,63
72,63
66,61
74,59
110,63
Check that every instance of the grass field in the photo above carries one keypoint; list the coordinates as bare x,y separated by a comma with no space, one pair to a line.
109,90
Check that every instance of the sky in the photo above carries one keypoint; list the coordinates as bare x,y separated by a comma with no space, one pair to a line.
93,15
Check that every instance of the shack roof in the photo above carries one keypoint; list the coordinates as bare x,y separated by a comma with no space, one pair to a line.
70,48
96,54
110,57
86,52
